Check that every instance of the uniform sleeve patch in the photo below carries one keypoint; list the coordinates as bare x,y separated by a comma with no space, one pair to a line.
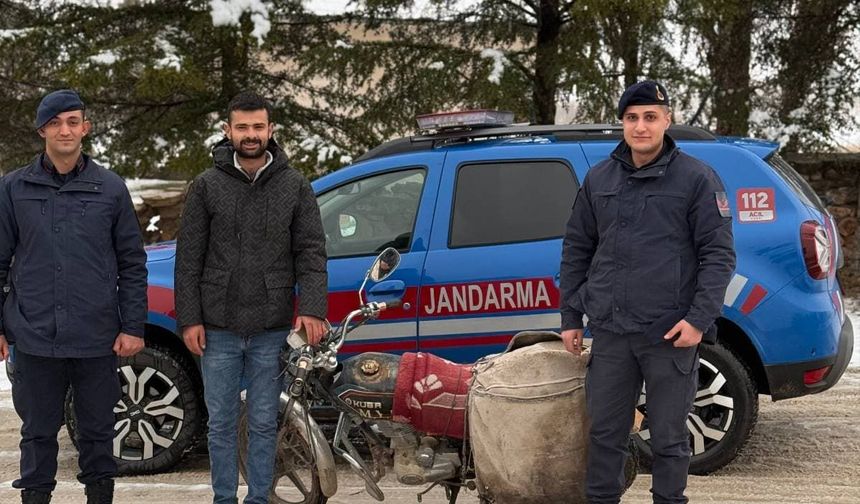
723,204
757,204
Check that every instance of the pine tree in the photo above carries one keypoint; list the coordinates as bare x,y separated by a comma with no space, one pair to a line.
156,77
157,74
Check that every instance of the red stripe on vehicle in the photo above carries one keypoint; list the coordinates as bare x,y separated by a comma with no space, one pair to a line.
445,300
498,339
160,300
756,295
342,302
380,347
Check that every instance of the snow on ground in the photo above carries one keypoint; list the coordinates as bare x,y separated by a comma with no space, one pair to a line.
139,184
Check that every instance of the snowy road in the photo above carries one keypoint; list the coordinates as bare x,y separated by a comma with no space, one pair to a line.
804,450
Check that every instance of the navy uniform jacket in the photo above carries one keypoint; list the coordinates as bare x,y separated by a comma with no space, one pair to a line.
642,244
78,276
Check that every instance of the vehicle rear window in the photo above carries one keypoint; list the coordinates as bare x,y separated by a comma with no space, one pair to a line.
798,184
509,202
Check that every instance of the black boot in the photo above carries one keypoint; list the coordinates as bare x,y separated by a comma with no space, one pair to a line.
100,492
35,497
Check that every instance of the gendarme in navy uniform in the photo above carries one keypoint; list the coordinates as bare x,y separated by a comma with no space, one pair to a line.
76,298
647,256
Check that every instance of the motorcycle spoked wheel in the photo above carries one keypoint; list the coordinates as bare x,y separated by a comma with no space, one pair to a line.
295,478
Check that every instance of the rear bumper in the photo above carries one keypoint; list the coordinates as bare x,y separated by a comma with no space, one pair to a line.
786,380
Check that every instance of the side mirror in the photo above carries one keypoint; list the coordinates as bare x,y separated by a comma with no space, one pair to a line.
385,264
382,268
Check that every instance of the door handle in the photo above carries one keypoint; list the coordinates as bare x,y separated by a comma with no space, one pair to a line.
388,287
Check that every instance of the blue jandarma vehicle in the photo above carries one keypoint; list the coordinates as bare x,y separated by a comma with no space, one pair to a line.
478,214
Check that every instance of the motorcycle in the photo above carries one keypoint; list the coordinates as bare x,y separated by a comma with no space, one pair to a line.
364,391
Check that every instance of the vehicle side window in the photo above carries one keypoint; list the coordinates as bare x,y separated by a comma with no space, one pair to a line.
509,202
796,182
365,216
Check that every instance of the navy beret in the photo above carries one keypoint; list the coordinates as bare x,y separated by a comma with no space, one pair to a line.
643,93
55,103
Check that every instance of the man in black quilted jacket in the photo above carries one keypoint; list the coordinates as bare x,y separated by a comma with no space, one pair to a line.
250,233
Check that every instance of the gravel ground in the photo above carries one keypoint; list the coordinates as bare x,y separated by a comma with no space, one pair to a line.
804,450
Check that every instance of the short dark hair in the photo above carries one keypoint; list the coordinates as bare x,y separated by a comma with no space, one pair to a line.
247,101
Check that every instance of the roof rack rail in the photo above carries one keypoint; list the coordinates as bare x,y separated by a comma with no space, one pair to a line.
563,132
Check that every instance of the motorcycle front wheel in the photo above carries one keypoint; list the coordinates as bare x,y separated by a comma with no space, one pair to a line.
295,479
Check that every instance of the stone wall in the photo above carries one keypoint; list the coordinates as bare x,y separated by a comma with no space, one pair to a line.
158,206
836,179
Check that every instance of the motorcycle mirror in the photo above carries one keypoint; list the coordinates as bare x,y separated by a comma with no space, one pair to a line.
385,264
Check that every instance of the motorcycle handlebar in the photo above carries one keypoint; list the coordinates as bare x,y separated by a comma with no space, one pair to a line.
395,303
370,310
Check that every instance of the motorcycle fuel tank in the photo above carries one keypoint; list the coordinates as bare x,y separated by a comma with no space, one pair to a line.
366,383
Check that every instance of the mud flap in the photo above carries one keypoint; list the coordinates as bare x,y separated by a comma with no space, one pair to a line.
314,437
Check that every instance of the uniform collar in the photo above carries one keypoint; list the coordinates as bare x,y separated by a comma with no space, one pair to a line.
656,168
49,166
86,169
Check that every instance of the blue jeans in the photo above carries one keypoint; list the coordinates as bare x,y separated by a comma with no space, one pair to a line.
230,361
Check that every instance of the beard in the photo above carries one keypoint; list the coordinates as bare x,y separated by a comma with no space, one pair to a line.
65,148
251,148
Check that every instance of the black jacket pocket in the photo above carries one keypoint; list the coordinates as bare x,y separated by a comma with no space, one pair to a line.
279,303
213,296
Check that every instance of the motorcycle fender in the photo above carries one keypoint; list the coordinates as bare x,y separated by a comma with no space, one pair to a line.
322,452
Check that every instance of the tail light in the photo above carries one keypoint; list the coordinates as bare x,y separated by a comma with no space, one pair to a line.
814,376
817,249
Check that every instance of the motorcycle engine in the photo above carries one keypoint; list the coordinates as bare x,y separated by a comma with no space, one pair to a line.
420,459
366,384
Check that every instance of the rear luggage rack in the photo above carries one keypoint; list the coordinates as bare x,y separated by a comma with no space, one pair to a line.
562,132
